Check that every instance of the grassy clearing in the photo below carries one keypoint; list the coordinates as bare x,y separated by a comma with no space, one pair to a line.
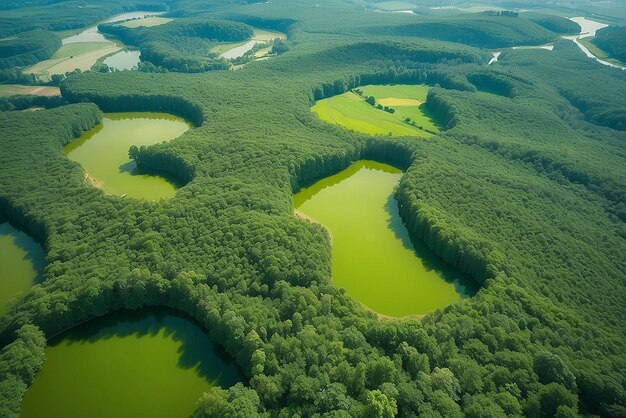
82,55
352,112
13,89
147,22
407,100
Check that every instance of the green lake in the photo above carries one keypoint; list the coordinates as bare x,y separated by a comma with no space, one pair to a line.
103,153
21,264
148,363
373,255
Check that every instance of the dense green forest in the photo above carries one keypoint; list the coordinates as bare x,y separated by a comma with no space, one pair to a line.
524,190
612,39
28,48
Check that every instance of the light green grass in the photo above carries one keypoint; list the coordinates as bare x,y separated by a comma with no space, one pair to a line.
13,89
147,22
352,112
81,55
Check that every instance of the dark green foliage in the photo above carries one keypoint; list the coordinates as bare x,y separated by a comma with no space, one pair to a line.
21,16
182,45
553,23
612,39
22,102
19,362
481,30
28,48
520,191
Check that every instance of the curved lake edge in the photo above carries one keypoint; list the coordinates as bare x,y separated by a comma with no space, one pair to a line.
24,264
161,322
464,283
132,168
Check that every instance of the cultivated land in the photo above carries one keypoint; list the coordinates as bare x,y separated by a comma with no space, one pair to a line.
12,89
81,55
352,112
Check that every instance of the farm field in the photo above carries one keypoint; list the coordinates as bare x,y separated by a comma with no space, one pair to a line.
352,112
81,55
12,89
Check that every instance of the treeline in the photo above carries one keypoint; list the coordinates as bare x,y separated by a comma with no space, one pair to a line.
23,102
496,83
28,48
393,73
149,160
612,40
556,24
19,363
480,30
20,16
182,45
175,105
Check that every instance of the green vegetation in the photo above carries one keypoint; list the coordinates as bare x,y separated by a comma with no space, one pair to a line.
103,153
182,45
27,48
612,39
81,56
134,355
21,264
380,110
524,191
369,243
485,30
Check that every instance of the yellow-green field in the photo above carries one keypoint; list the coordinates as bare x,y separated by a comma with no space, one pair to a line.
82,55
13,89
352,112
147,22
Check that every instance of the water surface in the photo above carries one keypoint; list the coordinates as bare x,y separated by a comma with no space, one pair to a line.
21,264
373,257
148,363
91,34
103,153
123,60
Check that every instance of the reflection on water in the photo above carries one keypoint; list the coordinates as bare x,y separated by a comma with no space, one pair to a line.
373,255
152,363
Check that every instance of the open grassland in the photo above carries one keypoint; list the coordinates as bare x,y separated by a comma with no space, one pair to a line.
81,55
14,89
407,100
147,22
352,112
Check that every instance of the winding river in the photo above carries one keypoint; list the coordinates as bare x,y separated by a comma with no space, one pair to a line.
373,256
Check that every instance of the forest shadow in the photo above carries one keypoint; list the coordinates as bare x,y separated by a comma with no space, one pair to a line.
197,351
33,251
463,283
